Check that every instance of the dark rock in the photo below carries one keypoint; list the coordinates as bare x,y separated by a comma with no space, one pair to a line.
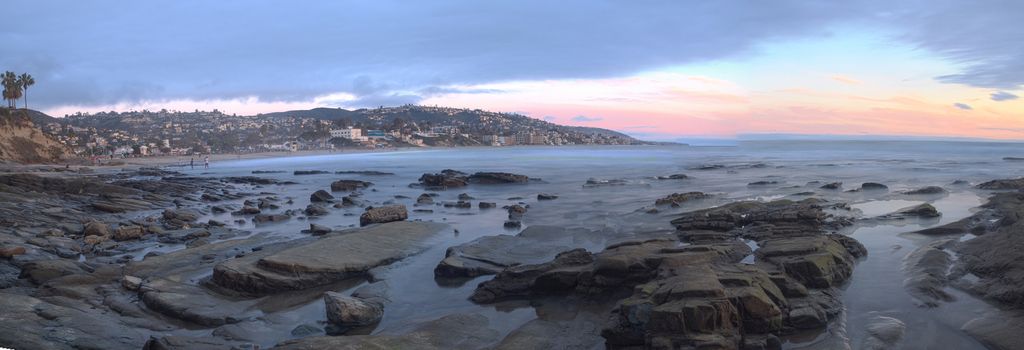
425,199
318,230
546,196
762,183
465,197
673,177
459,204
321,196
1005,184
923,210
316,210
267,218
247,210
96,228
123,233
445,179
378,215
832,186
8,252
930,190
679,198
349,185
497,178
516,212
310,172
873,186
513,224
487,205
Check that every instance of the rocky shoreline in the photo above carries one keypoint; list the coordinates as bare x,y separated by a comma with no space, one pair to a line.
125,260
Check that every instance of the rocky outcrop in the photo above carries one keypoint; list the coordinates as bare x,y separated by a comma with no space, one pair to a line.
330,259
1003,184
700,294
321,196
923,211
384,214
873,186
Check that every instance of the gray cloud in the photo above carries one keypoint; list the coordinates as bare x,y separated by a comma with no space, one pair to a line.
391,51
586,119
963,106
1003,96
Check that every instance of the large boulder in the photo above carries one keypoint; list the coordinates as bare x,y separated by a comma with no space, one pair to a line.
379,215
679,198
346,311
96,228
445,179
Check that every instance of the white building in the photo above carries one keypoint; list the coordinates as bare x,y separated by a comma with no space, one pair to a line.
349,133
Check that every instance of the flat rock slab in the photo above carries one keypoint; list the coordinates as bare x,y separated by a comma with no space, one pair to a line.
489,255
193,304
333,258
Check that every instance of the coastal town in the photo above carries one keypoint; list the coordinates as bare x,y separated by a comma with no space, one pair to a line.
164,132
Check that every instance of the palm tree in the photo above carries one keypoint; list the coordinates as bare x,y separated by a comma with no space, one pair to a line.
12,88
26,81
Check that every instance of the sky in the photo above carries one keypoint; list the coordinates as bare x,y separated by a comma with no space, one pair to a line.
657,70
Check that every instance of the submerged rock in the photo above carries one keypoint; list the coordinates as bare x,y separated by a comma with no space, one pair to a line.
321,196
489,255
489,178
1004,184
923,210
929,190
445,179
546,196
873,186
832,186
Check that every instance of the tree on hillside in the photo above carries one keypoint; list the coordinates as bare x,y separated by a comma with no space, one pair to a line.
25,81
12,88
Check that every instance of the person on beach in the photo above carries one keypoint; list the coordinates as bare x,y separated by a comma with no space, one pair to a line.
192,162
207,162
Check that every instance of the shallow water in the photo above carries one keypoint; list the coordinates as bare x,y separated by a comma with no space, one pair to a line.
615,212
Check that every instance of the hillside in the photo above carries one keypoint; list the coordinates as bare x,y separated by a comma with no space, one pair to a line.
471,120
22,142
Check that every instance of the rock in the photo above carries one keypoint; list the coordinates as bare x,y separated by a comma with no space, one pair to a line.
546,196
673,177
513,224
42,271
457,331
8,252
193,343
310,172
346,311
1003,184
306,330
923,210
247,210
832,186
762,183
192,303
679,198
425,199
929,190
318,230
305,264
592,182
315,210
489,255
497,178
999,330
487,205
459,204
465,197
516,211
445,179
94,240
124,233
873,186
883,333
349,185
269,218
131,283
321,196
183,215
96,228
379,215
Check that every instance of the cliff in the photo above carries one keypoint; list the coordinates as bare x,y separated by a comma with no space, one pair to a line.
22,142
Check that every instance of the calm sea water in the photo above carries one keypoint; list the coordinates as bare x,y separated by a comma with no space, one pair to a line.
616,212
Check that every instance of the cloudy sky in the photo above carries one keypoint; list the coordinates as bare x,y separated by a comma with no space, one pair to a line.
654,69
